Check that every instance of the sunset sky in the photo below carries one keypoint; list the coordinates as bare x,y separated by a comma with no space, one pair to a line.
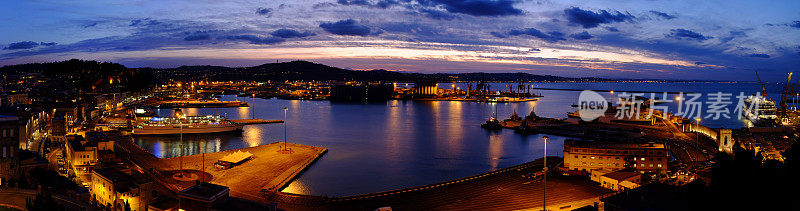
706,40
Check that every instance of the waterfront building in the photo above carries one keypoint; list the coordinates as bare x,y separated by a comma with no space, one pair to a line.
116,188
9,144
594,155
425,89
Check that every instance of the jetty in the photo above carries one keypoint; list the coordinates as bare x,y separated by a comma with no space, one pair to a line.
255,121
266,171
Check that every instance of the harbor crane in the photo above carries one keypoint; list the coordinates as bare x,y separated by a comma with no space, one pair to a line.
784,94
763,89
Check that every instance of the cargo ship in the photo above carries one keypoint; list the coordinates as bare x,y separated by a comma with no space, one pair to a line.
187,125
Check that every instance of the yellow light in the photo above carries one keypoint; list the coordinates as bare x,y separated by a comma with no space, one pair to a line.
612,91
678,98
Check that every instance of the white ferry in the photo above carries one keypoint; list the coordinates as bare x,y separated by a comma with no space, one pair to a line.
188,125
760,111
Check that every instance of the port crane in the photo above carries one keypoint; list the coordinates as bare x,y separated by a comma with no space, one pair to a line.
784,94
763,89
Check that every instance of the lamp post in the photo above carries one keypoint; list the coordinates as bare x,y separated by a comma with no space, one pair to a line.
180,123
544,189
285,109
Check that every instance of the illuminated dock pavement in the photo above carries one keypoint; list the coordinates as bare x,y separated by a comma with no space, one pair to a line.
268,169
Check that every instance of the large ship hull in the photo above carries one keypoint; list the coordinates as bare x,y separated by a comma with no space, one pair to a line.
186,130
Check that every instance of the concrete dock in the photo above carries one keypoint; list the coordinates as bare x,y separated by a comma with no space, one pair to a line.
268,170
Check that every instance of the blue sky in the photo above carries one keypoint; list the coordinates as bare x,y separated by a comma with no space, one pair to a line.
707,40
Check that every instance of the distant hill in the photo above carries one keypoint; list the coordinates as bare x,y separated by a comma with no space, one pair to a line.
92,76
306,71
78,76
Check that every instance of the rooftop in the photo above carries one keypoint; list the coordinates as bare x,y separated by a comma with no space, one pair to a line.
621,175
205,191
612,145
121,179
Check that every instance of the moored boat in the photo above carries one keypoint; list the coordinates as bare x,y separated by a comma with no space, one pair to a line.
188,125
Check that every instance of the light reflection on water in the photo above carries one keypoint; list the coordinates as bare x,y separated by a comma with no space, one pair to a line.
381,146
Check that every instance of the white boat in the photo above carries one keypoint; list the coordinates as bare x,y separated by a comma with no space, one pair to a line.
760,111
188,125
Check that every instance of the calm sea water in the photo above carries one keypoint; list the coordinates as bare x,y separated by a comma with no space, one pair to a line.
381,146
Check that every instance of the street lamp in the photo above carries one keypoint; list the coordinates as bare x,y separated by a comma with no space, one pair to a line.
544,195
285,149
181,117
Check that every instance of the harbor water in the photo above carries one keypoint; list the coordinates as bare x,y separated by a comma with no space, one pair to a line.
375,147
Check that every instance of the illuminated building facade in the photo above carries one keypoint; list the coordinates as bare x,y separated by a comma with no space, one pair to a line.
591,155
116,188
9,144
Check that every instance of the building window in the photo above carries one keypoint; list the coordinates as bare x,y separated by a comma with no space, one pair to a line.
659,165
642,159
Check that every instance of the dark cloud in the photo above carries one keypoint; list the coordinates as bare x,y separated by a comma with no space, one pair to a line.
437,14
663,15
590,19
795,24
687,34
348,27
90,25
144,22
478,7
323,5
760,55
264,11
498,34
47,43
612,29
553,36
197,36
257,39
581,36
289,33
21,45
383,4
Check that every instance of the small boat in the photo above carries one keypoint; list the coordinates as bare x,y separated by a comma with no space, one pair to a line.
492,124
